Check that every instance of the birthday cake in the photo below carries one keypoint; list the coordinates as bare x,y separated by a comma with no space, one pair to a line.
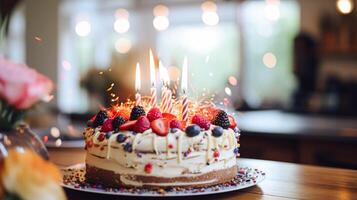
139,146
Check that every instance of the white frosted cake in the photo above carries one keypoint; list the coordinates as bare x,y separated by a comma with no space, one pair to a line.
132,148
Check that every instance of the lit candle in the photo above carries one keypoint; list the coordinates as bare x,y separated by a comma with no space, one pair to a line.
153,100
165,92
184,90
137,85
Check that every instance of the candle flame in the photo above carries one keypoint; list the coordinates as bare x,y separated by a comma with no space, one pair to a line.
164,74
184,75
152,69
137,78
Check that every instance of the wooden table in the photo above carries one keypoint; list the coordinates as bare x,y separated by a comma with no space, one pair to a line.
283,181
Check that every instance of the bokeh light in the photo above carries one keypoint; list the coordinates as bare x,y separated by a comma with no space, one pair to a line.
160,10
123,45
344,6
269,60
174,73
210,18
209,6
66,65
161,23
232,81
122,13
228,91
121,25
83,28
272,12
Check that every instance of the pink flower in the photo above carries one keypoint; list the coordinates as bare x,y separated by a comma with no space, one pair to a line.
21,86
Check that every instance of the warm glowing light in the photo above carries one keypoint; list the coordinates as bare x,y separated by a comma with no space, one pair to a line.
55,132
66,65
184,75
137,78
210,18
152,69
269,60
58,142
209,6
232,80
164,75
121,25
161,23
123,45
272,12
228,91
174,73
121,13
83,28
161,10
344,6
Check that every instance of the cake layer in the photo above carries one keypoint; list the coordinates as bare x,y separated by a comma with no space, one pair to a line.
112,179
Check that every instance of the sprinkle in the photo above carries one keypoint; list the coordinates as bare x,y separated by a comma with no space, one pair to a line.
170,146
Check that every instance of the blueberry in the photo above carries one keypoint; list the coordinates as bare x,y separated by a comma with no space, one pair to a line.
128,147
174,130
193,130
121,138
236,150
217,131
108,134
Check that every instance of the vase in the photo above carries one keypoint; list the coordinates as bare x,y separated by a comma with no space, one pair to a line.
21,137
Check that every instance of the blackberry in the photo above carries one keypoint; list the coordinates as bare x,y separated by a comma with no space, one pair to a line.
136,112
100,118
221,119
117,122
193,130
217,131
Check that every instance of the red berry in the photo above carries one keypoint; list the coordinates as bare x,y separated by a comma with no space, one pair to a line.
142,124
176,124
127,126
148,168
201,121
107,125
160,126
101,137
168,116
154,113
232,122
170,146
216,154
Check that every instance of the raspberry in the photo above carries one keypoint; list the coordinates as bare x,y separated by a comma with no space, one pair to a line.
136,112
176,124
141,125
101,137
221,119
154,113
148,168
107,125
201,121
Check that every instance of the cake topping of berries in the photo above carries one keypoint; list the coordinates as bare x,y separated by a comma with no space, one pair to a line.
160,126
117,122
221,119
193,130
141,125
176,124
136,112
107,125
232,122
100,118
154,113
217,131
168,116
148,168
127,126
201,121
101,137
121,138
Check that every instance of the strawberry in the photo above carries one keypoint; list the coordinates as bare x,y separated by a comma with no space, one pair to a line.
201,121
232,122
142,124
154,113
168,116
107,125
160,126
176,124
127,126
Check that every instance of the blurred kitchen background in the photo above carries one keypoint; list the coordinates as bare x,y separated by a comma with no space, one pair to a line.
289,67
